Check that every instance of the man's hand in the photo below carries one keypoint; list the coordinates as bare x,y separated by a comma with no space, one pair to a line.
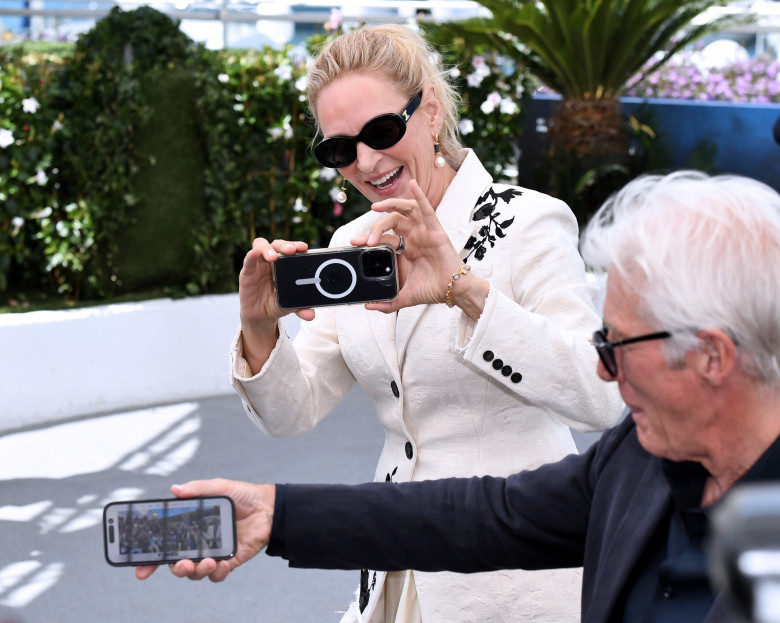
254,517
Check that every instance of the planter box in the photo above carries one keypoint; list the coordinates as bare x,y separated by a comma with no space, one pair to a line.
66,364
742,133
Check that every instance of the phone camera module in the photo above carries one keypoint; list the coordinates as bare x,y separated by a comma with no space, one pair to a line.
376,263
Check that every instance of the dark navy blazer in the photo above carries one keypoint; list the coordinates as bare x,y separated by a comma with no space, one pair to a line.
597,510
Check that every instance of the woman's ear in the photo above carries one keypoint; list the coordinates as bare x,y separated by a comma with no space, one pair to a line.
718,355
432,106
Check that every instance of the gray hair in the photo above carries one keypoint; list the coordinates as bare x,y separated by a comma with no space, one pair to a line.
700,252
399,54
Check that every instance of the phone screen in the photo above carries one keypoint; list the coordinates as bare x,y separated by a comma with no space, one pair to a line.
156,532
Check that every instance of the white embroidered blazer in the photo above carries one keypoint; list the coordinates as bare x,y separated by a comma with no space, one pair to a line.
458,397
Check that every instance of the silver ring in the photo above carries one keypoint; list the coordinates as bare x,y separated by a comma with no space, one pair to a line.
401,245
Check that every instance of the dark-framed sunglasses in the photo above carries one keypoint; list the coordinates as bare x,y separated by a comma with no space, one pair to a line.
381,132
606,349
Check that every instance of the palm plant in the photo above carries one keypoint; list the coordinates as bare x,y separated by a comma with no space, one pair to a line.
588,51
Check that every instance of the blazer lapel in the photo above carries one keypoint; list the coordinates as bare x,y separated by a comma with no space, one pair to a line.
454,213
383,328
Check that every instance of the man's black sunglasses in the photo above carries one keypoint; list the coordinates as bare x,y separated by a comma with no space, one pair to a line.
381,132
606,349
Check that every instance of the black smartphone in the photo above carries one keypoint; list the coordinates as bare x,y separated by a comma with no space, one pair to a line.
338,276
158,532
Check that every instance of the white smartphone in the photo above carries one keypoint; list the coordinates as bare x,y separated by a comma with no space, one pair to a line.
339,276
157,532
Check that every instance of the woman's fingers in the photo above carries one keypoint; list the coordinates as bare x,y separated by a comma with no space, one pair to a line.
270,251
380,236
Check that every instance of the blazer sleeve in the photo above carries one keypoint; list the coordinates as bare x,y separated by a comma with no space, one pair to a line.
538,320
300,383
536,519
305,378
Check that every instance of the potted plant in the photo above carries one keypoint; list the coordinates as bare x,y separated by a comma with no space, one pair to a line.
587,51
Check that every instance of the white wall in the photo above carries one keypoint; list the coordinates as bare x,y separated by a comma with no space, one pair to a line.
63,364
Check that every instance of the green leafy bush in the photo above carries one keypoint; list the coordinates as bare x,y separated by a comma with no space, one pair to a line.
87,146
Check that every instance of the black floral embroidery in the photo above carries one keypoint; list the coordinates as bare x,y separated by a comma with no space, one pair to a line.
365,589
493,229
389,477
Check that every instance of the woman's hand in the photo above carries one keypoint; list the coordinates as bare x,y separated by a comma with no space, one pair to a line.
429,260
254,518
259,310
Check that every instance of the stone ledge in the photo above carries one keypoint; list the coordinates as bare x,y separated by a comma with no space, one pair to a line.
60,365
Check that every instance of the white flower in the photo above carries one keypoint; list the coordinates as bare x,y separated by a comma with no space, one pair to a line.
284,72
454,72
489,105
17,223
56,126
474,80
238,107
223,78
334,21
466,126
30,105
6,138
327,174
301,83
508,107
41,178
299,207
285,131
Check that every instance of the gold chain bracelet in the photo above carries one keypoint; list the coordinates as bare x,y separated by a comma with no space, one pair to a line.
448,296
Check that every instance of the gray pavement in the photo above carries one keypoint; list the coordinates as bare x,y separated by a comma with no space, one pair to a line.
54,482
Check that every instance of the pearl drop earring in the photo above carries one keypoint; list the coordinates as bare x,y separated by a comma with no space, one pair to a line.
342,196
439,159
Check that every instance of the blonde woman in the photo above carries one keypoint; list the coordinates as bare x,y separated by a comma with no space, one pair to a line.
482,362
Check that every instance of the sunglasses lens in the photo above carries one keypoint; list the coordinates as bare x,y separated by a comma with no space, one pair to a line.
383,132
606,353
379,133
336,152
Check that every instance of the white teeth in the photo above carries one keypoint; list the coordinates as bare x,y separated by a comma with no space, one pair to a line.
378,183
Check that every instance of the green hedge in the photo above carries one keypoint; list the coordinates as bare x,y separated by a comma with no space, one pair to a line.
138,159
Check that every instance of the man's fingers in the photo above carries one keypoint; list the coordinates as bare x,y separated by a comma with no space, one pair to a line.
198,488
145,571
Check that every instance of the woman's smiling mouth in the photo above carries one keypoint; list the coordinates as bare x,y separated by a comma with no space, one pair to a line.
381,183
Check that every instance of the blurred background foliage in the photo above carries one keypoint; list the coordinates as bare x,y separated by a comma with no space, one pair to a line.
138,163
137,160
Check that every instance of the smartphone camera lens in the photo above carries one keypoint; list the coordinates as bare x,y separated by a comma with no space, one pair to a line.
377,263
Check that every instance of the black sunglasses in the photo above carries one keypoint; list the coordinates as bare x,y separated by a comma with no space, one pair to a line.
606,349
381,132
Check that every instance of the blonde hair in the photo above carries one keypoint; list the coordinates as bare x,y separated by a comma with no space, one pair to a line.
399,54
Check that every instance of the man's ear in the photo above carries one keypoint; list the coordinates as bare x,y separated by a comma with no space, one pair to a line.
718,355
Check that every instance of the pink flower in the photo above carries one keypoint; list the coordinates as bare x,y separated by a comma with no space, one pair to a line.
337,209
